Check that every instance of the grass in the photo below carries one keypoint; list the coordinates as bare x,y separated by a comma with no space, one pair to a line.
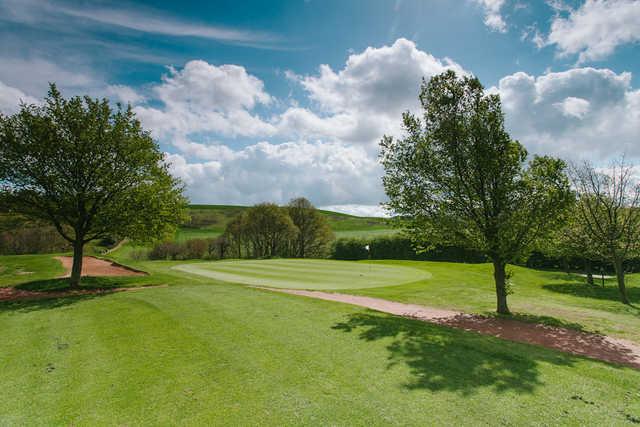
210,221
305,274
19,269
548,296
203,352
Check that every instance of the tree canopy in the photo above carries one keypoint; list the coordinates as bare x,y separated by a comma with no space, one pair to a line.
457,177
88,169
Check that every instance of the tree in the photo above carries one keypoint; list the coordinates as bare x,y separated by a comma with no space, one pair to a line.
89,170
314,233
458,178
236,233
268,229
572,241
610,209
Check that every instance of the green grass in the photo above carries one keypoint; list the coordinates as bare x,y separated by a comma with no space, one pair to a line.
22,268
211,220
201,352
547,296
305,274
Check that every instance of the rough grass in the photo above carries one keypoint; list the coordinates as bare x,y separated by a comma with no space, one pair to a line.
201,352
547,296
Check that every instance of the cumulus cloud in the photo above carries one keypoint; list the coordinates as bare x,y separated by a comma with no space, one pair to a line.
596,28
492,14
206,98
123,94
366,98
579,112
324,172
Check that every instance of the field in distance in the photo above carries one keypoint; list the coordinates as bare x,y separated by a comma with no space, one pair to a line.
211,220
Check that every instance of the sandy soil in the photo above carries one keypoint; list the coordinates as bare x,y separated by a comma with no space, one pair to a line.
596,346
97,267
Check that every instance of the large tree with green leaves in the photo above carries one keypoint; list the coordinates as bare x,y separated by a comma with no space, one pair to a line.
457,177
90,170
314,233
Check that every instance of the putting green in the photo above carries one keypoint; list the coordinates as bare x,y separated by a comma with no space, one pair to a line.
306,273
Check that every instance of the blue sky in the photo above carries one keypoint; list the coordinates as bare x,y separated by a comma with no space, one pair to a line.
265,101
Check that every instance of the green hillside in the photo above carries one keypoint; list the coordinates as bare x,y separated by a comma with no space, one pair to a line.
211,220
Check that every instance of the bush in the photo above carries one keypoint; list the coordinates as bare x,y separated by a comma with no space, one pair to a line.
32,240
350,249
212,248
400,247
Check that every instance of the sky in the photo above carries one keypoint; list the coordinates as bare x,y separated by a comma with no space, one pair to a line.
259,101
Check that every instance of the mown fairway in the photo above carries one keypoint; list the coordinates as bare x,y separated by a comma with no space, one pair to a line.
306,274
202,351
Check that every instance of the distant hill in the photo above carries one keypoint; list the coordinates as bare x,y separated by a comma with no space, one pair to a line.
211,220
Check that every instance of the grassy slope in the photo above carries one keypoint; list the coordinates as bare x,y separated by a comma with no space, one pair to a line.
216,218
227,354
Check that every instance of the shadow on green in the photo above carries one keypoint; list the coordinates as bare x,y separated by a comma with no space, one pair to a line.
593,291
445,359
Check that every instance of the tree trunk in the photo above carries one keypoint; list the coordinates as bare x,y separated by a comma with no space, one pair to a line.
620,276
588,271
76,269
500,275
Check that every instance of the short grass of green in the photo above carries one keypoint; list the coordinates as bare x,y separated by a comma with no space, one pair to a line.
306,273
203,352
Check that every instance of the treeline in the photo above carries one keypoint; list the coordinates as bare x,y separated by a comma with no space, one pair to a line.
399,247
31,240
265,230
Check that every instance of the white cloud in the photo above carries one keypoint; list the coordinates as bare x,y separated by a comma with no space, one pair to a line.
207,98
596,28
574,107
123,94
10,99
141,19
366,98
324,172
581,112
359,210
492,14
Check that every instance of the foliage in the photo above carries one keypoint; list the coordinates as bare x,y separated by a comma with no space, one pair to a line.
267,230
458,178
609,208
399,247
314,234
88,170
211,248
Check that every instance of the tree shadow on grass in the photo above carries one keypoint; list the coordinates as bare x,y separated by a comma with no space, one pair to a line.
447,359
36,304
55,293
583,290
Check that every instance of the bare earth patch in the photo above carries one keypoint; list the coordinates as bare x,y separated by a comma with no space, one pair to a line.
97,267
587,344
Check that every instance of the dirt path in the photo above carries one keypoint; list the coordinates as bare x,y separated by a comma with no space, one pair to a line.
97,267
600,347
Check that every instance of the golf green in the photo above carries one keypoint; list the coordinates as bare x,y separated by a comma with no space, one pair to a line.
306,273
